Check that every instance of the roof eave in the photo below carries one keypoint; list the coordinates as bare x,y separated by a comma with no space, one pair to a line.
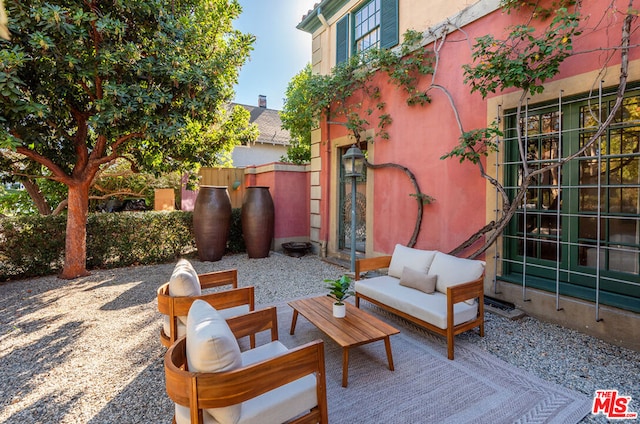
311,23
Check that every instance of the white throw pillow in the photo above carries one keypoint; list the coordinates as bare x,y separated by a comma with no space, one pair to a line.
417,259
418,280
452,270
212,347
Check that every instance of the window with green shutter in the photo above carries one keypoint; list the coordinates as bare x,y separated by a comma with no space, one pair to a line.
342,40
373,25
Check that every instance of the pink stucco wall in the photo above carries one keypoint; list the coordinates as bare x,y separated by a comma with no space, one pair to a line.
290,193
420,135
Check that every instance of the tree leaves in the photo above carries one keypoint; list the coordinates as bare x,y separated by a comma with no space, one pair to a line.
525,59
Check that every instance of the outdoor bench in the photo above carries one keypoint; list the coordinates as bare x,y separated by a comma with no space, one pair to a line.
434,290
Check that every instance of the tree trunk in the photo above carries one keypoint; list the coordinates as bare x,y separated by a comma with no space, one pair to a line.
75,260
36,195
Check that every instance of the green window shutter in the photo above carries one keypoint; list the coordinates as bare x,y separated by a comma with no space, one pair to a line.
342,40
388,23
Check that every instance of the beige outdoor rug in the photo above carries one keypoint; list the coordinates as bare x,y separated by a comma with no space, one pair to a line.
426,387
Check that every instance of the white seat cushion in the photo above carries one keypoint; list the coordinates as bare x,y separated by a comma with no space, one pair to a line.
283,403
452,270
431,308
212,347
417,259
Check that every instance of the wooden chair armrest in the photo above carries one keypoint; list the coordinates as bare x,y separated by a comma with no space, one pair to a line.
219,278
461,292
231,387
255,322
219,300
369,264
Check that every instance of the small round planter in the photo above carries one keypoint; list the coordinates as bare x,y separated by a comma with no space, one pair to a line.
339,311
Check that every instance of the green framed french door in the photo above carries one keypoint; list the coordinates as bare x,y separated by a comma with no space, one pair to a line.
577,230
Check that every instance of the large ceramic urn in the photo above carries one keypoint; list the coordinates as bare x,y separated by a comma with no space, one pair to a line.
257,218
211,222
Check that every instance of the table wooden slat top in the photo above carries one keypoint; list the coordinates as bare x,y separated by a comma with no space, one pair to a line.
356,328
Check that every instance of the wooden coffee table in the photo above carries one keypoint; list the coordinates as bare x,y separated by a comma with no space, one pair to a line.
356,329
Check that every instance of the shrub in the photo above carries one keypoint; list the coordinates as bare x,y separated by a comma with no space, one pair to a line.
236,241
34,245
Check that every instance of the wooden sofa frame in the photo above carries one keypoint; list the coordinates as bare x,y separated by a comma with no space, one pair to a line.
455,294
200,391
179,305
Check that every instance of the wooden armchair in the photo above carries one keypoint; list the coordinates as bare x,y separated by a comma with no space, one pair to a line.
294,379
235,301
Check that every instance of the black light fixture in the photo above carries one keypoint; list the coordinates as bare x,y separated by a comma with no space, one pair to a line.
353,162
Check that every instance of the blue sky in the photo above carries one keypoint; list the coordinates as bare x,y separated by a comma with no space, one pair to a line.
280,50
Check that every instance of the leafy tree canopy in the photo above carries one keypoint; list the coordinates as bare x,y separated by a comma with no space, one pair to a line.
85,83
146,80
297,117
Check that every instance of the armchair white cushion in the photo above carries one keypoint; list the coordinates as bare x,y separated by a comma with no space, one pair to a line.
212,347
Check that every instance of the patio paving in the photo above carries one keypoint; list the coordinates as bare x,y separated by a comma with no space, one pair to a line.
87,350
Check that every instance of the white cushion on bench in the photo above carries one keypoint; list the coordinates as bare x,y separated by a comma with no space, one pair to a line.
417,259
452,271
431,308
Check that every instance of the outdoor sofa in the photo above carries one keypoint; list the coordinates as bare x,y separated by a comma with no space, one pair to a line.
434,290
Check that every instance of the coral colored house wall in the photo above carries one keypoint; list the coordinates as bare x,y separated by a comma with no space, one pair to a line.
289,188
420,135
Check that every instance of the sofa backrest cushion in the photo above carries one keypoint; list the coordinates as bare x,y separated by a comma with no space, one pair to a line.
452,270
212,347
417,259
184,280
418,280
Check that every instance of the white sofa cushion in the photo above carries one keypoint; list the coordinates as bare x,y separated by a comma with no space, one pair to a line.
431,308
452,270
275,406
212,347
418,280
417,259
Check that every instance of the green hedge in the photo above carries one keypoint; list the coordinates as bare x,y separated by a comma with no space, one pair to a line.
34,245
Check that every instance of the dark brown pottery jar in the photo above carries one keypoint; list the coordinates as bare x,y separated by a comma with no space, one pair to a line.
211,222
257,218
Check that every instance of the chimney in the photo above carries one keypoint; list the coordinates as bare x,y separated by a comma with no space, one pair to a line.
262,101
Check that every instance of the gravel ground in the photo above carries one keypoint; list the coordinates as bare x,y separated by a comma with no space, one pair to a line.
87,350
